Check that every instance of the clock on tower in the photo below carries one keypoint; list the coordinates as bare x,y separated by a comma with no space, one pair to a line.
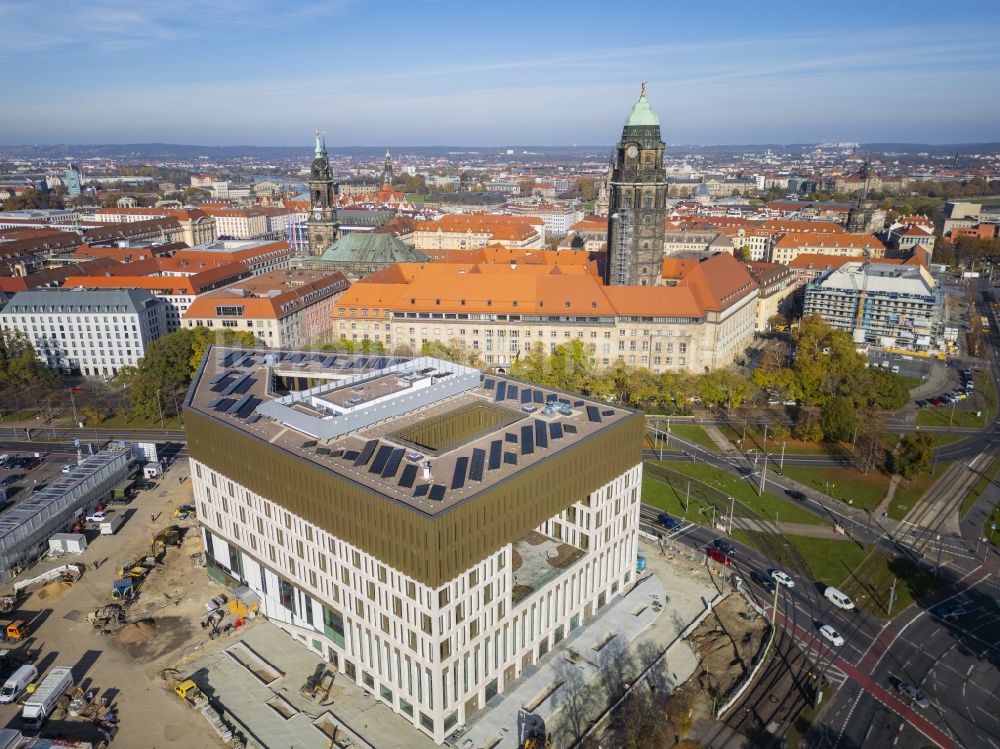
323,225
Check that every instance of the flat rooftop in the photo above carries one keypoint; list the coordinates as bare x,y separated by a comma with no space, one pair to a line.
416,430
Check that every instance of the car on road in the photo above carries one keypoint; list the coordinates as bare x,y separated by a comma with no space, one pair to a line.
936,401
831,635
782,578
724,546
795,494
97,517
719,557
668,522
763,581
838,598
950,613
68,467
912,693
920,403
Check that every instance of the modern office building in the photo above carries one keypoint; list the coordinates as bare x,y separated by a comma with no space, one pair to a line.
87,331
430,531
895,306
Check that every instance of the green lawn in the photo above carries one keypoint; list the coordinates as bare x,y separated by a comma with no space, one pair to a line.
828,560
728,485
846,484
755,440
670,498
118,422
871,582
908,493
988,477
693,433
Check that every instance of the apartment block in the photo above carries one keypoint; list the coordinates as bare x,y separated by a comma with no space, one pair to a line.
85,331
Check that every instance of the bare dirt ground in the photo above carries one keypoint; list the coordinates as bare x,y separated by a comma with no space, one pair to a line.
123,665
726,643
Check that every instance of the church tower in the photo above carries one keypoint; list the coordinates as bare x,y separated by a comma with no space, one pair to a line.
323,225
637,203
388,174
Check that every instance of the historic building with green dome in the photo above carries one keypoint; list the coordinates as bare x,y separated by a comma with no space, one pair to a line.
637,206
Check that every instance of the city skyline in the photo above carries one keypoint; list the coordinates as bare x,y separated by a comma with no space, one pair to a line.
444,74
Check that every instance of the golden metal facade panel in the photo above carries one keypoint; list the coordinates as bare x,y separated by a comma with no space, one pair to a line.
435,549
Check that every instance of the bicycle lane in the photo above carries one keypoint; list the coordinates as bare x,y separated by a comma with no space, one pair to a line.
865,681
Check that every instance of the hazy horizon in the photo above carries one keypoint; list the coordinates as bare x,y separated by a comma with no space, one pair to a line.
443,72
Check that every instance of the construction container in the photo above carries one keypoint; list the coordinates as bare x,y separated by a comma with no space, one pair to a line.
69,543
111,523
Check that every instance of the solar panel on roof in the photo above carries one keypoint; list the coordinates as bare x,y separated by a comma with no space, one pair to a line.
489,384
476,466
223,404
361,363
323,451
295,358
608,412
437,492
577,404
537,396
501,390
393,465
512,392
555,430
366,453
231,387
496,447
510,458
218,377
239,404
527,440
328,361
541,434
458,477
253,419
593,414
228,359
510,437
336,453
380,364
569,428
551,397
350,455
381,457
214,402
421,490
223,383
242,387
525,396
408,477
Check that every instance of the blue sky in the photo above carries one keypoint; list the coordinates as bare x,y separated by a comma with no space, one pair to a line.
443,72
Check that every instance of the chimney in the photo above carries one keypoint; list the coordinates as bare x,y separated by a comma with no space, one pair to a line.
513,264
427,470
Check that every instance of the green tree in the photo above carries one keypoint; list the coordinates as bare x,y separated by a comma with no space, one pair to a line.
914,454
839,419
20,367
741,253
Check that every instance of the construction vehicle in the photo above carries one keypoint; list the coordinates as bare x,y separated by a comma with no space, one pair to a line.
186,511
169,536
16,631
318,685
124,588
188,691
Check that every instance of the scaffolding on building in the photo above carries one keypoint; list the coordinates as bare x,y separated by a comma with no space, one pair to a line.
619,274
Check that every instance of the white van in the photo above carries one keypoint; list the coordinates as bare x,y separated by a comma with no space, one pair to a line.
838,598
17,683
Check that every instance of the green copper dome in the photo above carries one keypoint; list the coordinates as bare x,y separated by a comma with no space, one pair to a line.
642,114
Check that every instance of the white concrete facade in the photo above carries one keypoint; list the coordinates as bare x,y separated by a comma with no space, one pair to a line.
435,656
